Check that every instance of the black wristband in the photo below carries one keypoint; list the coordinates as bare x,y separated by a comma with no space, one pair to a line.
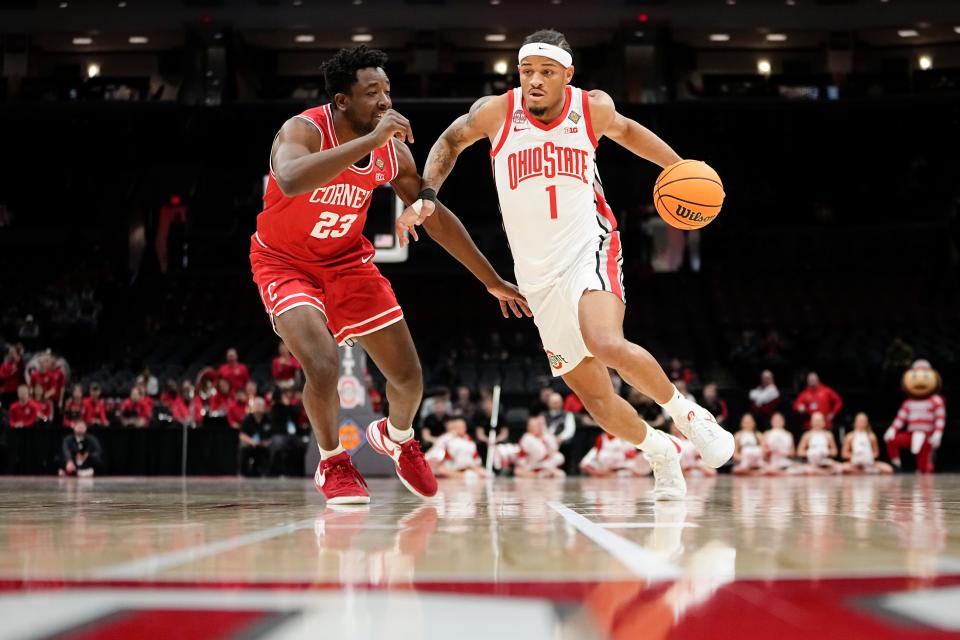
428,194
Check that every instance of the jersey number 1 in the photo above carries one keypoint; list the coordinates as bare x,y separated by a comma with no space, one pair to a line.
552,191
324,227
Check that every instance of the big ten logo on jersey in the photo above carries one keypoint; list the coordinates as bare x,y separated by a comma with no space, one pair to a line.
547,160
380,164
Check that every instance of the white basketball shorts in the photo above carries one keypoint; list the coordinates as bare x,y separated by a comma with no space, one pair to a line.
556,307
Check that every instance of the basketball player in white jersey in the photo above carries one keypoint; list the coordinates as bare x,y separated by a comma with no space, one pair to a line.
861,449
566,247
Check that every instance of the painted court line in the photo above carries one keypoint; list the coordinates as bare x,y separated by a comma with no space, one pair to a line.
163,561
643,563
647,525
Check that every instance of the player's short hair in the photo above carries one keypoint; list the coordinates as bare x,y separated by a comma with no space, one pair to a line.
549,36
340,71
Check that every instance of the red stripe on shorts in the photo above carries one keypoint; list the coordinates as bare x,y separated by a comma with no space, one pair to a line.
613,269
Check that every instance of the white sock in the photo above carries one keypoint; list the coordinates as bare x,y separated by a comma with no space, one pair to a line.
324,454
398,435
676,407
655,442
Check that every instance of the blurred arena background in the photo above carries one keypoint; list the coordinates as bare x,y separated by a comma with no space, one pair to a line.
135,139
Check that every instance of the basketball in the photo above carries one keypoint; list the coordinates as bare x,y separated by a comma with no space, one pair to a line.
688,194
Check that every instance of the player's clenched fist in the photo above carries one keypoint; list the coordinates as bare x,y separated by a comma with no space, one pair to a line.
392,125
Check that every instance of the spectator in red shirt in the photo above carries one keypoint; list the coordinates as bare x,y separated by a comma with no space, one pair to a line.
23,412
11,374
714,403
202,398
73,407
284,368
94,408
134,411
221,399
44,405
237,409
234,372
818,397
170,397
50,376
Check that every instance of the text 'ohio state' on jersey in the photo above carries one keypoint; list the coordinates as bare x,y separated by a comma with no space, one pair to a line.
326,223
551,197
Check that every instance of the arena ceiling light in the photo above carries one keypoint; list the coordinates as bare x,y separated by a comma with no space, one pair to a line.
93,70
719,37
138,39
925,62
776,37
82,41
500,66
764,67
956,29
64,5
495,37
908,33
362,37
304,38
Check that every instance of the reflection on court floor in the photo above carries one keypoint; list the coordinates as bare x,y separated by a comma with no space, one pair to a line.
575,558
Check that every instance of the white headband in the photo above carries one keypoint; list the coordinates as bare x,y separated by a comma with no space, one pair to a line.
547,51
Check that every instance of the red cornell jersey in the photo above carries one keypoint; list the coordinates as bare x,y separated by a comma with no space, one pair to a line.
325,226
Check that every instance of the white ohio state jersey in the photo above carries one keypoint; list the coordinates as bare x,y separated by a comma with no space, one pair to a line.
550,194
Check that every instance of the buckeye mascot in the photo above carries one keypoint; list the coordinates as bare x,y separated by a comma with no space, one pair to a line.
920,421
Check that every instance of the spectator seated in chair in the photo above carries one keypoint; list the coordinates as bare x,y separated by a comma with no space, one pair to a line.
135,411
43,404
234,372
765,398
73,407
24,412
95,408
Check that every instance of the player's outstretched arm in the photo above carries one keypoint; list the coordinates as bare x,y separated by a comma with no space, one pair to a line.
628,133
300,166
444,227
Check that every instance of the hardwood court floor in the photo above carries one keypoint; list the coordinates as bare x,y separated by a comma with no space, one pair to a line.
583,558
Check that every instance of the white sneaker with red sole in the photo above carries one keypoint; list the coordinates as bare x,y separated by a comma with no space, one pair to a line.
340,482
668,482
412,468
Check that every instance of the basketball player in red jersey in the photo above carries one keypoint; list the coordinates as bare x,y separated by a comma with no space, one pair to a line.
566,247
314,267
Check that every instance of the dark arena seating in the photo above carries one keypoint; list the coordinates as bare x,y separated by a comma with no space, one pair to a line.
171,468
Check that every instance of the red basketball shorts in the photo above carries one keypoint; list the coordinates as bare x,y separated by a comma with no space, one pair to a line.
353,296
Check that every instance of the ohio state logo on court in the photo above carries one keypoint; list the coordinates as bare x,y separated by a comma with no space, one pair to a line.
556,361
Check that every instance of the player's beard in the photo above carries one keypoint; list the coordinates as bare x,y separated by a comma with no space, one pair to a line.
537,111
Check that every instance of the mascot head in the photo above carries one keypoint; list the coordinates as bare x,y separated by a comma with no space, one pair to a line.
920,380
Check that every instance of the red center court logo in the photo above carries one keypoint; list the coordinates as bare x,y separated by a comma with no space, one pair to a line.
556,361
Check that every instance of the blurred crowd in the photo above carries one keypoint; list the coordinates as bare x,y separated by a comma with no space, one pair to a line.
462,430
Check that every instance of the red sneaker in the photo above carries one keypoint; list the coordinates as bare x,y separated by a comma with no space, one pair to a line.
340,482
413,470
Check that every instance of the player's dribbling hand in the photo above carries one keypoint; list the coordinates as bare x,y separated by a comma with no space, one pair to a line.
510,298
392,125
412,216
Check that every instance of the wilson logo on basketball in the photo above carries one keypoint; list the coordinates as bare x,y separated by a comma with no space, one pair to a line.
692,216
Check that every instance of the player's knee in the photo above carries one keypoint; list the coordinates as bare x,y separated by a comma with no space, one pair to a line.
597,404
409,381
320,371
610,350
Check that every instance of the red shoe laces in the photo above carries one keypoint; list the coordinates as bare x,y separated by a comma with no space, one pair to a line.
412,452
346,466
